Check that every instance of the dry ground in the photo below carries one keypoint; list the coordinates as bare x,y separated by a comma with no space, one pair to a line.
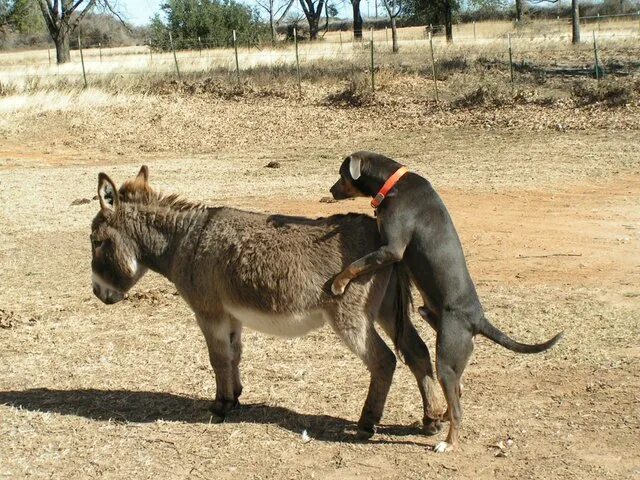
547,202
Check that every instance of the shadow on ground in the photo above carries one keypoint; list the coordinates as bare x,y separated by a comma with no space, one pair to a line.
127,406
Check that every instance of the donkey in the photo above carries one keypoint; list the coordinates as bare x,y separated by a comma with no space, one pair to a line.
269,272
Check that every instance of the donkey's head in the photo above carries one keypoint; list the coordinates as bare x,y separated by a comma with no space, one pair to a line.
115,253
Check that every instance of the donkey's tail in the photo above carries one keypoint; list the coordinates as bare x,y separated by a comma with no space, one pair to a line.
404,302
493,333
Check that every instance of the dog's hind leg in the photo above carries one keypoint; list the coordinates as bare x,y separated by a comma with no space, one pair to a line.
359,334
416,356
454,347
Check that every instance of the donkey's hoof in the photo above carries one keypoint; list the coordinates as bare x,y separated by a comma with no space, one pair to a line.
431,426
365,433
215,416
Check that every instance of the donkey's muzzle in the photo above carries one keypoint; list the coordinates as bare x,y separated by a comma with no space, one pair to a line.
108,295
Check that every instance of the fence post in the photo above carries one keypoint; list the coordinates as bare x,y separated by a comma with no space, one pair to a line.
373,75
150,50
235,47
340,40
295,38
199,46
84,73
510,57
100,50
474,30
386,34
175,58
598,71
49,52
433,66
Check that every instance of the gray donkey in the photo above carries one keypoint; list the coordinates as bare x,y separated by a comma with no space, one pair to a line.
269,272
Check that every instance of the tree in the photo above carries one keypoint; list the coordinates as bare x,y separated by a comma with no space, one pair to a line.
62,17
4,12
313,11
276,10
213,20
519,11
25,17
357,19
575,21
427,12
394,8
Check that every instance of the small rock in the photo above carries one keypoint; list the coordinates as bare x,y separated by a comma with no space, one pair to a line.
328,200
80,201
272,164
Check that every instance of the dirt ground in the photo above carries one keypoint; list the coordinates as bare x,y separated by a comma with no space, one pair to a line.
547,202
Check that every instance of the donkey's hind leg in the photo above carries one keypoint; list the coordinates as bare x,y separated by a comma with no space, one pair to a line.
416,356
217,333
359,334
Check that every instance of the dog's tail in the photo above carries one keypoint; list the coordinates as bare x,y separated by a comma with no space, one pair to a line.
493,333
404,303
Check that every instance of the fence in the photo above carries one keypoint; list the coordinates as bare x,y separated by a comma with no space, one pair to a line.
613,48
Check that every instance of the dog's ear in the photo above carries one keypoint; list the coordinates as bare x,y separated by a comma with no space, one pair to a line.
354,167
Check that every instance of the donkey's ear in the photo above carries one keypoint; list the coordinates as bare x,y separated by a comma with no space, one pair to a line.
354,167
107,193
143,174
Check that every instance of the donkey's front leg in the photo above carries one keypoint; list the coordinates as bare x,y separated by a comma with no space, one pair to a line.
217,331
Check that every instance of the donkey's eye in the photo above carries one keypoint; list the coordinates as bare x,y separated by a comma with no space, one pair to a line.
96,244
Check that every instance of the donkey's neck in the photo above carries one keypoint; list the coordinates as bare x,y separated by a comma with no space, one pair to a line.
162,232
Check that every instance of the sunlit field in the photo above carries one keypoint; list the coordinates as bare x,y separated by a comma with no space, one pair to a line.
535,41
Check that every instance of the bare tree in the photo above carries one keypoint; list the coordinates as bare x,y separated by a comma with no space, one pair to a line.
62,17
447,7
277,10
575,21
575,17
394,8
357,19
313,11
519,10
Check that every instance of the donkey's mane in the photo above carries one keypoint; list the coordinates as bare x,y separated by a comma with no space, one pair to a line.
139,192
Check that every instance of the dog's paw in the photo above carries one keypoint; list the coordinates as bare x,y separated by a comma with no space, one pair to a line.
338,286
442,447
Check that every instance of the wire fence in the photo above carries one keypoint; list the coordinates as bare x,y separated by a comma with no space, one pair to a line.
612,49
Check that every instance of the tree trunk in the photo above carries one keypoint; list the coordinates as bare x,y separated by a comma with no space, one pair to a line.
448,19
357,20
313,28
394,35
273,28
575,21
61,40
519,11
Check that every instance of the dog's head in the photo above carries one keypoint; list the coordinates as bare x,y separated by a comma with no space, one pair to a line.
362,174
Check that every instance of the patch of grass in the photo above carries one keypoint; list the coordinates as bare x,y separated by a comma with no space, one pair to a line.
606,93
356,93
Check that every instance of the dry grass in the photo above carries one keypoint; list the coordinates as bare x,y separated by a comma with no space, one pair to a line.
89,390
539,58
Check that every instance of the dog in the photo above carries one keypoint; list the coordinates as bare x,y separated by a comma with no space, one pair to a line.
416,228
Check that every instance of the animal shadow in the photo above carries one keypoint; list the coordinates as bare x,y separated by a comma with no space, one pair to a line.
126,406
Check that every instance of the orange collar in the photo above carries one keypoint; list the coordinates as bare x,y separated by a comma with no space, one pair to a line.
388,185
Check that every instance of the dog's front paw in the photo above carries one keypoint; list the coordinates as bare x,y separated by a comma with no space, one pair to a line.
443,447
339,285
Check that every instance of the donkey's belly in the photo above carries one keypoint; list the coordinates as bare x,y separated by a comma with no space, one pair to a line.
282,325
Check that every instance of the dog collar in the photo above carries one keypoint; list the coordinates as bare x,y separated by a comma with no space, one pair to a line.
388,185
